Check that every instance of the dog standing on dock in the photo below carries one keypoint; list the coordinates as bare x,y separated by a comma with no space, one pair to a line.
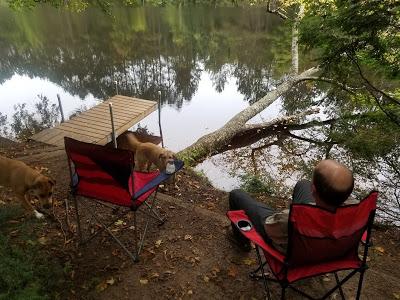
27,184
146,153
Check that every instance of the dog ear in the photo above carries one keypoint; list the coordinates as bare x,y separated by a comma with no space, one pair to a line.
36,184
162,155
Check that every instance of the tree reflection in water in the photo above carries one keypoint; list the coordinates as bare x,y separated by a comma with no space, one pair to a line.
145,50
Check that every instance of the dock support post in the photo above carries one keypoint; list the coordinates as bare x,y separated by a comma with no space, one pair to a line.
113,135
61,108
159,118
116,87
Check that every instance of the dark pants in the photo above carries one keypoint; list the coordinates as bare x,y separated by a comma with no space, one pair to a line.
258,211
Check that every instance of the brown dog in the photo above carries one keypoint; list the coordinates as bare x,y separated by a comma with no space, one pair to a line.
146,154
27,183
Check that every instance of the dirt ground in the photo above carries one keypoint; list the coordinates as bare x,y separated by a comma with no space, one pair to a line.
189,257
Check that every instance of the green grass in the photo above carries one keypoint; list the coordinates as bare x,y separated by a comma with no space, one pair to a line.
26,270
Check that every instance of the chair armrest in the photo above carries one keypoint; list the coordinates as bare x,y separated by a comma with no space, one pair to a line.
163,176
239,215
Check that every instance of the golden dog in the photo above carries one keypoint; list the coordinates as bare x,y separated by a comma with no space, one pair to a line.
27,183
146,153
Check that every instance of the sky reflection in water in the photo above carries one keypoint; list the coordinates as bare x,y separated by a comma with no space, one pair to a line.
208,64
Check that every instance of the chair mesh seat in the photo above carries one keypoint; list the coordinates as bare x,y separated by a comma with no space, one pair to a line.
319,241
107,174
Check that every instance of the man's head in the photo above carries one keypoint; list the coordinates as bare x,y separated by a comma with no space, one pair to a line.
332,183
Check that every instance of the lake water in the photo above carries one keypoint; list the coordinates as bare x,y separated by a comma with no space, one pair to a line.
208,63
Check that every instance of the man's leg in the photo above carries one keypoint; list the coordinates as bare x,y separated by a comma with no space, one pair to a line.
302,192
256,211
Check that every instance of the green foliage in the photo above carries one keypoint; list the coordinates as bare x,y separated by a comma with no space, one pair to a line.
26,123
26,271
344,30
3,125
255,184
368,137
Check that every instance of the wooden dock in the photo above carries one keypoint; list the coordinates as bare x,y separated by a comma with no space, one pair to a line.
94,125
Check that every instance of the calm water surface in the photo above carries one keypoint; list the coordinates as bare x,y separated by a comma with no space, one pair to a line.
208,64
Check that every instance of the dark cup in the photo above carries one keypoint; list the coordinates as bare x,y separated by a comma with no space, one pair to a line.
244,225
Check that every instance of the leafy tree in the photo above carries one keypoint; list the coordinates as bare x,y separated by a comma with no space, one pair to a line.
26,123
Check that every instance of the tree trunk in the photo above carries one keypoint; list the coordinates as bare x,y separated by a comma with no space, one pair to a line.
216,141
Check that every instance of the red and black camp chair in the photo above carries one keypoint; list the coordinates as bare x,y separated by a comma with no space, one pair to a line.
319,242
107,174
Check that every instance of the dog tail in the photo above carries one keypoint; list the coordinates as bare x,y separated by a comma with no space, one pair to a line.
128,141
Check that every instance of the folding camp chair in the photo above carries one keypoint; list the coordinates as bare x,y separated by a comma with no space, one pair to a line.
107,174
319,242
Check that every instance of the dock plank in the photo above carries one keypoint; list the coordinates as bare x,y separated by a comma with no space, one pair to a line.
94,125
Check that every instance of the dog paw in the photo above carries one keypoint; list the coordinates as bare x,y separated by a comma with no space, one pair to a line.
38,215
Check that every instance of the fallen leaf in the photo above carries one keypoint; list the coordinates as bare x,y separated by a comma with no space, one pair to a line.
380,249
188,237
154,275
249,261
42,240
110,281
101,286
206,278
326,279
168,272
361,257
396,295
158,243
119,222
144,281
232,271
190,292
14,232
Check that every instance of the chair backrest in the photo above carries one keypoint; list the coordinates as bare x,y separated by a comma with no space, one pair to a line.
100,172
317,235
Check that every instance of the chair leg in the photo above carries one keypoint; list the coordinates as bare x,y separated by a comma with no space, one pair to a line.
134,257
283,293
254,275
66,213
340,286
143,236
263,273
136,236
78,220
153,213
360,282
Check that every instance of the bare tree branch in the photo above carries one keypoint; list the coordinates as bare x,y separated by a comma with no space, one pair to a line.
281,120
334,82
267,145
321,143
276,11
371,86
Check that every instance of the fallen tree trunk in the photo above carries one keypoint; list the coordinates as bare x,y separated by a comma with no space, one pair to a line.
217,141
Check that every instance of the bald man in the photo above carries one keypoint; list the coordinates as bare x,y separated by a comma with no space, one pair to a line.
332,183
